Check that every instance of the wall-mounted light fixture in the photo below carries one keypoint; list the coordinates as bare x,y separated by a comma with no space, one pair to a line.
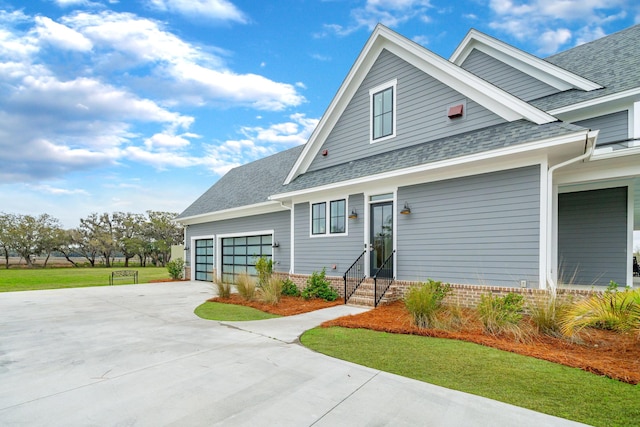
353,214
275,244
186,248
406,210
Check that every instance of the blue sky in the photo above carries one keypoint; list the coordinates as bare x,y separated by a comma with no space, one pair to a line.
133,105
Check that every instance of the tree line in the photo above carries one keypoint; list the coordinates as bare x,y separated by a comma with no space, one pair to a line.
99,237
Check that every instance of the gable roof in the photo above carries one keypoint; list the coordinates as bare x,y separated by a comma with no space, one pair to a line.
246,185
547,72
484,93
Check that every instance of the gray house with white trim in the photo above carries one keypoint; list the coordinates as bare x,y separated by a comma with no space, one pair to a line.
492,168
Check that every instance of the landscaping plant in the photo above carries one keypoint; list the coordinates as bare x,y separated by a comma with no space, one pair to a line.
175,267
547,312
271,290
224,289
319,287
501,314
424,301
614,310
246,286
264,267
290,289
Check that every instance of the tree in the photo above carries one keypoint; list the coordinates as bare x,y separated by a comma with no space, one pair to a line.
162,232
98,237
6,223
128,232
31,236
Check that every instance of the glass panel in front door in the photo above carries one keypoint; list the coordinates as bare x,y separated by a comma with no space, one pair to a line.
381,234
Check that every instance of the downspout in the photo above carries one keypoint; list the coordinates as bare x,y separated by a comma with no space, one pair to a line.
551,284
184,253
291,239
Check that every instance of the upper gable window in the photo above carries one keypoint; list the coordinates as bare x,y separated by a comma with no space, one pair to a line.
383,111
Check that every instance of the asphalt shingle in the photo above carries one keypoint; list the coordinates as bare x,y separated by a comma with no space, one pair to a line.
491,138
246,185
612,62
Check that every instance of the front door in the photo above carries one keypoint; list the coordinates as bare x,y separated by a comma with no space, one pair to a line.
381,236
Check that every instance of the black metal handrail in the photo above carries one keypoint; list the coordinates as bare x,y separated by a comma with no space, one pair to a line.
385,274
354,274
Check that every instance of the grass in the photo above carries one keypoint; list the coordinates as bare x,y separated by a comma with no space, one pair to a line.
508,377
15,279
230,312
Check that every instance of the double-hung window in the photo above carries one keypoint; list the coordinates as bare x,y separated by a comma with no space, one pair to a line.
337,216
329,217
319,218
383,111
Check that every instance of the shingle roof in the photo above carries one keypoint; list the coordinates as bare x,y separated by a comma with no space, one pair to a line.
491,138
611,61
246,185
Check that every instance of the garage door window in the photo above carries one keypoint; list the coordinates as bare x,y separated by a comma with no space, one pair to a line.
204,259
239,254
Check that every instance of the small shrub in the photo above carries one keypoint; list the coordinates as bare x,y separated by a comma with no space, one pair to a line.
246,286
176,268
618,311
224,289
424,301
264,267
271,291
319,287
546,314
290,289
501,314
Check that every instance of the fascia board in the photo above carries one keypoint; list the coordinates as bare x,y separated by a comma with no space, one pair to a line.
491,97
502,152
242,211
631,94
542,70
484,93
338,104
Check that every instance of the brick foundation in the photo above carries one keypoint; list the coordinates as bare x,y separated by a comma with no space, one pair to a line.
462,295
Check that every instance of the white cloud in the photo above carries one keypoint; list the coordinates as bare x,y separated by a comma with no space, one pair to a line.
48,189
195,76
391,13
219,10
546,23
60,35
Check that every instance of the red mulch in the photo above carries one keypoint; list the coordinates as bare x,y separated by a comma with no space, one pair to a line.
288,306
601,352
167,280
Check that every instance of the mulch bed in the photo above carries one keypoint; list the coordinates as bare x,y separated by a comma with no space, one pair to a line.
288,306
600,352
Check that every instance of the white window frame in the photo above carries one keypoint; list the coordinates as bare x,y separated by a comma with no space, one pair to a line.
327,217
389,85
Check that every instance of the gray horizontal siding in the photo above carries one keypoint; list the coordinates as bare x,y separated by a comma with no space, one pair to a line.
482,229
506,77
592,237
422,103
315,253
613,127
277,221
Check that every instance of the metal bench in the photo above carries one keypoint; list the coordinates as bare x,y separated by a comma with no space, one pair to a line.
123,275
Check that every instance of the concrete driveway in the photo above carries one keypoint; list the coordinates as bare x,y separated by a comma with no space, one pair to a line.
138,356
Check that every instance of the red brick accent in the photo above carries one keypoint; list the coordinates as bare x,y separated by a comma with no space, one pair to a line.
463,295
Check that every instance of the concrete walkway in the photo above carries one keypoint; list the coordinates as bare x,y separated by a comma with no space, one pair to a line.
137,356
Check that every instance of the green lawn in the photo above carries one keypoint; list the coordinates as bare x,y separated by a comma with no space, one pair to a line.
519,380
19,279
231,312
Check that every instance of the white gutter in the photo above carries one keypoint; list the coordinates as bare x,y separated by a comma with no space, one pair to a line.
551,284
